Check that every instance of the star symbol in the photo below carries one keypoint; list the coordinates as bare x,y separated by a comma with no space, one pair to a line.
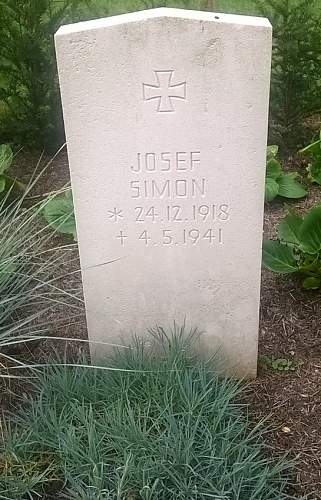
115,214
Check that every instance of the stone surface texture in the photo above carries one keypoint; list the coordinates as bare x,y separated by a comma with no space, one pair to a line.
166,121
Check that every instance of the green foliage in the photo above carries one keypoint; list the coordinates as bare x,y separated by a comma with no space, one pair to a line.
314,168
279,364
30,109
58,211
30,266
296,66
9,186
279,257
277,183
156,424
298,248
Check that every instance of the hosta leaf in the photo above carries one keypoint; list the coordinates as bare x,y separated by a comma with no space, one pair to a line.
271,189
312,283
273,169
289,187
279,257
272,151
59,213
6,157
288,230
315,172
310,231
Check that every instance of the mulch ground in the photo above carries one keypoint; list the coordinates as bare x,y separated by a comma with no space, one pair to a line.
290,328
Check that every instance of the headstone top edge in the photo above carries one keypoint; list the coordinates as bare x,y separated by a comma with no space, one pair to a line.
163,12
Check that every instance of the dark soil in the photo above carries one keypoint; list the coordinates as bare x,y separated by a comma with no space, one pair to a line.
290,328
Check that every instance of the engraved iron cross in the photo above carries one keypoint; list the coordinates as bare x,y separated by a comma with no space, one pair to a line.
164,91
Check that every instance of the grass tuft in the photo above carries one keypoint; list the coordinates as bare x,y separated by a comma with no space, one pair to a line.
30,272
168,428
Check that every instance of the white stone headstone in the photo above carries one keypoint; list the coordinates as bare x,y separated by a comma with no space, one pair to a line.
166,121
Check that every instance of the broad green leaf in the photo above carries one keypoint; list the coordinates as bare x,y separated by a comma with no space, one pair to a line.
312,283
289,187
288,230
314,148
279,257
272,151
2,183
273,169
271,189
310,231
59,213
315,172
6,157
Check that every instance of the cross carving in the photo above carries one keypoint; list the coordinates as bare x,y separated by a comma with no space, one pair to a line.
164,91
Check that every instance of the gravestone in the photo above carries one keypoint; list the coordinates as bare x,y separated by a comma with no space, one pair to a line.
166,121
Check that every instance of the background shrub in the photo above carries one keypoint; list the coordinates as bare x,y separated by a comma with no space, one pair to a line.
296,67
30,109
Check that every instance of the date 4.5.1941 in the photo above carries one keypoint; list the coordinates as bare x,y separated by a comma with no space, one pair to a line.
169,237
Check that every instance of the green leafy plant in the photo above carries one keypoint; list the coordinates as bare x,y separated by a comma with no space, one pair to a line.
154,423
9,186
298,248
279,183
279,364
314,168
58,211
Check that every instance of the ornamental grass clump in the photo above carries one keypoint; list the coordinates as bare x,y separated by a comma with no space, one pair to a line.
31,267
153,422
